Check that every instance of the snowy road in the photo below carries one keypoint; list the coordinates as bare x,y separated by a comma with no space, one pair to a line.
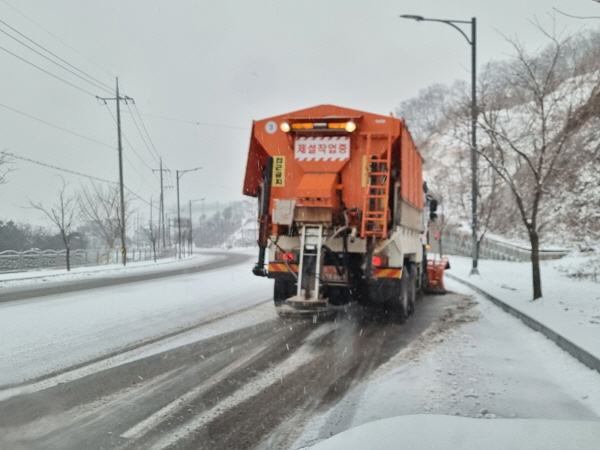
54,332
226,372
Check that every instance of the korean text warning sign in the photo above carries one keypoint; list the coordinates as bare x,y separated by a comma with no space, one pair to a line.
278,171
322,148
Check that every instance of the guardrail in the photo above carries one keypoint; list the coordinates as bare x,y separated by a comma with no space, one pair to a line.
13,261
456,243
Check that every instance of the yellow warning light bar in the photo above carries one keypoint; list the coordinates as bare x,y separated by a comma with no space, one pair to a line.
347,126
303,126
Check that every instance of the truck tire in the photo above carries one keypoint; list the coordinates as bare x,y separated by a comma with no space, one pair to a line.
338,295
424,277
412,287
403,309
283,290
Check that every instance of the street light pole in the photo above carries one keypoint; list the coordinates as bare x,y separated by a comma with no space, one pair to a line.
473,43
179,174
474,193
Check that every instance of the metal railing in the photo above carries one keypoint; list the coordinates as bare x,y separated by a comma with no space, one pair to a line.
456,243
13,261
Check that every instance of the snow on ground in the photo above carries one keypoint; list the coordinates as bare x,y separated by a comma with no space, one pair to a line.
580,265
569,306
55,332
32,277
493,367
460,433
212,326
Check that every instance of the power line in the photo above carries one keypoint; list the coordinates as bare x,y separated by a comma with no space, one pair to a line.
96,83
145,129
142,134
57,38
130,145
73,172
193,122
136,153
158,156
57,127
47,72
139,174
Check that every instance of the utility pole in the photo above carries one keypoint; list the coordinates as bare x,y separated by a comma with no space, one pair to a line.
162,202
118,99
179,174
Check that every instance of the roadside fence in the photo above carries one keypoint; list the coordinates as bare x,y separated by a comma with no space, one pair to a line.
454,242
13,261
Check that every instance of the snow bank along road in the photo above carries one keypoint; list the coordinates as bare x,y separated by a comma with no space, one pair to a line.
113,278
202,361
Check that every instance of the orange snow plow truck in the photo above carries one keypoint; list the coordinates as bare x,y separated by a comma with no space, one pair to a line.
342,211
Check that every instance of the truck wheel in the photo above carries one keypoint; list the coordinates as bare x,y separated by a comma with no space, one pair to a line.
403,309
424,277
283,290
338,295
412,287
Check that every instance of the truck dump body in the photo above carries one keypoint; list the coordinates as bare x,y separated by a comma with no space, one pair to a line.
341,206
313,165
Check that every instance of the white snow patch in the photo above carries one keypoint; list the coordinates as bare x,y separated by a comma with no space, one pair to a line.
495,367
78,273
427,432
570,307
47,334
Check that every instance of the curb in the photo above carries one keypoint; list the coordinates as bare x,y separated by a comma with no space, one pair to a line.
583,356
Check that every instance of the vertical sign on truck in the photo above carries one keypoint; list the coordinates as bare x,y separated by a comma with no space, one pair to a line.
278,171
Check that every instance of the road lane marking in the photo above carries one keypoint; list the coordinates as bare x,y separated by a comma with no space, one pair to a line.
152,421
254,387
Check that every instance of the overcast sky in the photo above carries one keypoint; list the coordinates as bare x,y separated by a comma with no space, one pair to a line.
215,65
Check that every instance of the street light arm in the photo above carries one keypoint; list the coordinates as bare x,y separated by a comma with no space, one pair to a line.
461,31
181,172
449,22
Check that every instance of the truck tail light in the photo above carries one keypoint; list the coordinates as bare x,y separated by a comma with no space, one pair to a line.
379,260
284,256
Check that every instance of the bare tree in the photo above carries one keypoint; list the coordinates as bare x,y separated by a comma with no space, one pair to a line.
425,113
448,164
100,208
526,142
151,232
63,215
4,161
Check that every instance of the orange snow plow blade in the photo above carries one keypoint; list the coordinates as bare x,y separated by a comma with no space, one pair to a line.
435,274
